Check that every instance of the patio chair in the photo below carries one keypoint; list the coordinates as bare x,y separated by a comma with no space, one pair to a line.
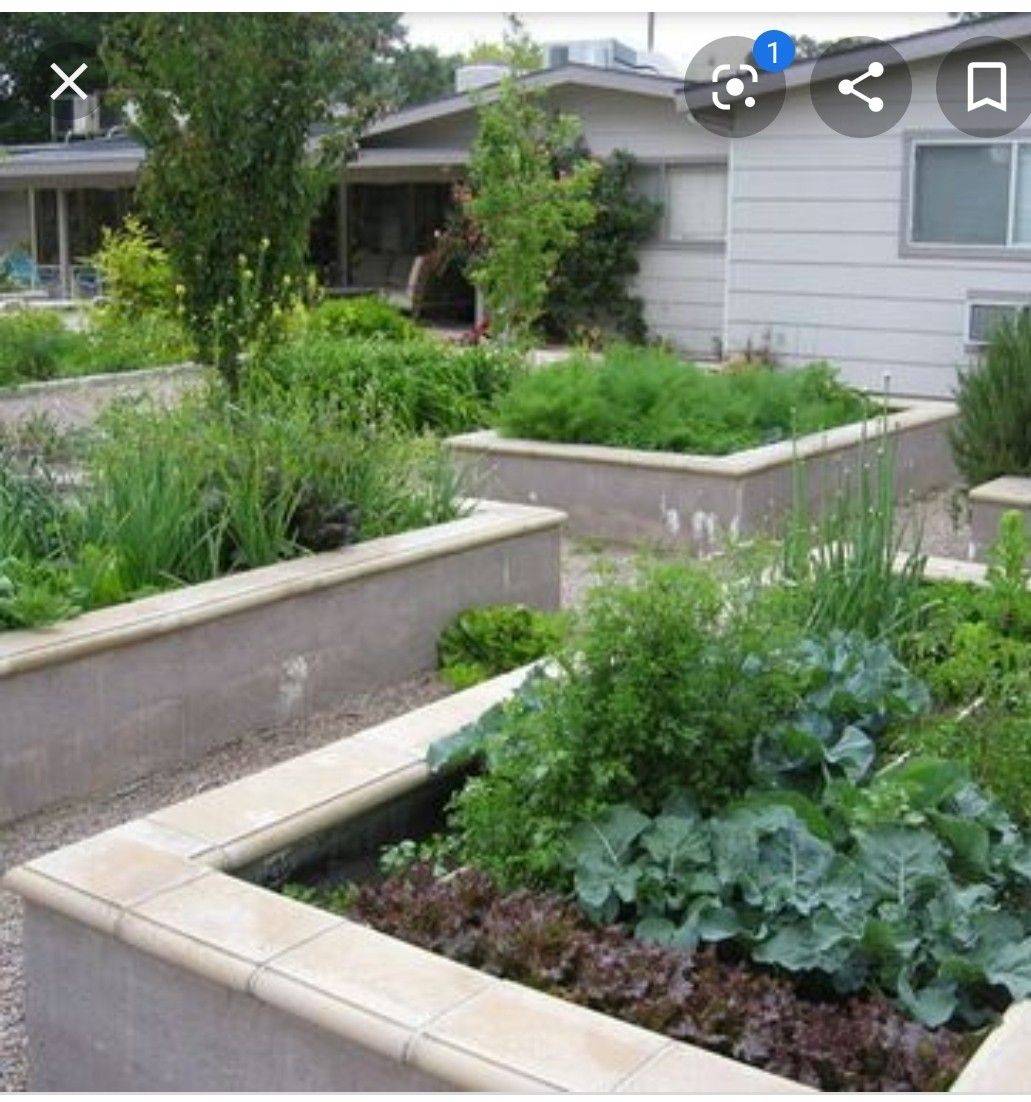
412,297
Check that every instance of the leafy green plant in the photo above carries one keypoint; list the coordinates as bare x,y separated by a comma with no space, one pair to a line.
491,640
364,316
1009,572
411,386
651,399
663,684
36,346
916,888
32,346
135,272
993,742
992,435
856,689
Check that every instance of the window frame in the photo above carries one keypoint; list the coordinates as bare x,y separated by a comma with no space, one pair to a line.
974,250
661,239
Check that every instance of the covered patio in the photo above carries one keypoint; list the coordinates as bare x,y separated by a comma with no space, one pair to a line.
390,207
55,201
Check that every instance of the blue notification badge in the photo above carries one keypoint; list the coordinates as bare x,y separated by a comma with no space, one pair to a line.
773,51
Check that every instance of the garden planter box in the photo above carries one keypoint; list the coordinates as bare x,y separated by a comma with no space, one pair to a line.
111,696
77,402
633,496
150,967
988,502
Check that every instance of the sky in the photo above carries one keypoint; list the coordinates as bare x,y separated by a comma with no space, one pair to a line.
676,36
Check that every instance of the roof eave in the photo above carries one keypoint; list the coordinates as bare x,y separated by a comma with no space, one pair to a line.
915,48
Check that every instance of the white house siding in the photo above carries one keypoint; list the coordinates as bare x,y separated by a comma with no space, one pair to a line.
815,269
682,285
14,219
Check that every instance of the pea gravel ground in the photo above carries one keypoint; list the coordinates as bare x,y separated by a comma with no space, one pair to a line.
41,833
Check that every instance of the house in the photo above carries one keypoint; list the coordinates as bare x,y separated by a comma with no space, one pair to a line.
797,241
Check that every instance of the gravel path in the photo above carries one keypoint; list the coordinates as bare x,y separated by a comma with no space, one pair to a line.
40,833
581,562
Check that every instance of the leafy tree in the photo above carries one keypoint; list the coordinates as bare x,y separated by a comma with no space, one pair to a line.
525,213
227,106
807,47
422,73
25,81
589,289
516,50
398,73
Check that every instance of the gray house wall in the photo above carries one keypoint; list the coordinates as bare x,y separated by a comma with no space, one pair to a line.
818,267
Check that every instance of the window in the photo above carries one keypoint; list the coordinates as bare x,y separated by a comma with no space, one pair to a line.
974,193
984,317
693,198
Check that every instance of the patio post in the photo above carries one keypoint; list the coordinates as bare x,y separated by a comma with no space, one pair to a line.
63,259
342,233
33,243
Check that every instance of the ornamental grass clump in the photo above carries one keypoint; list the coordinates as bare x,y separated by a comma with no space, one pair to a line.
852,566
211,486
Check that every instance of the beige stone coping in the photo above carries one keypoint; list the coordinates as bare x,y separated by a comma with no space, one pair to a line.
487,522
102,380
940,569
905,415
159,885
1011,492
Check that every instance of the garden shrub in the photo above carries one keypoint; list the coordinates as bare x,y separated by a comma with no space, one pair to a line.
650,399
415,386
364,316
33,344
662,687
135,272
484,642
588,296
992,434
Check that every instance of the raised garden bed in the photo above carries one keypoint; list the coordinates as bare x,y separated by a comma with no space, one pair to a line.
76,402
988,503
634,495
108,697
156,960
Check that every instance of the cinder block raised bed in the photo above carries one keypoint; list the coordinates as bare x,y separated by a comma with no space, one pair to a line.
149,966
77,402
696,500
988,502
111,696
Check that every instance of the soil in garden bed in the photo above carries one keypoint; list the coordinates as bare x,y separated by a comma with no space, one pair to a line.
707,998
